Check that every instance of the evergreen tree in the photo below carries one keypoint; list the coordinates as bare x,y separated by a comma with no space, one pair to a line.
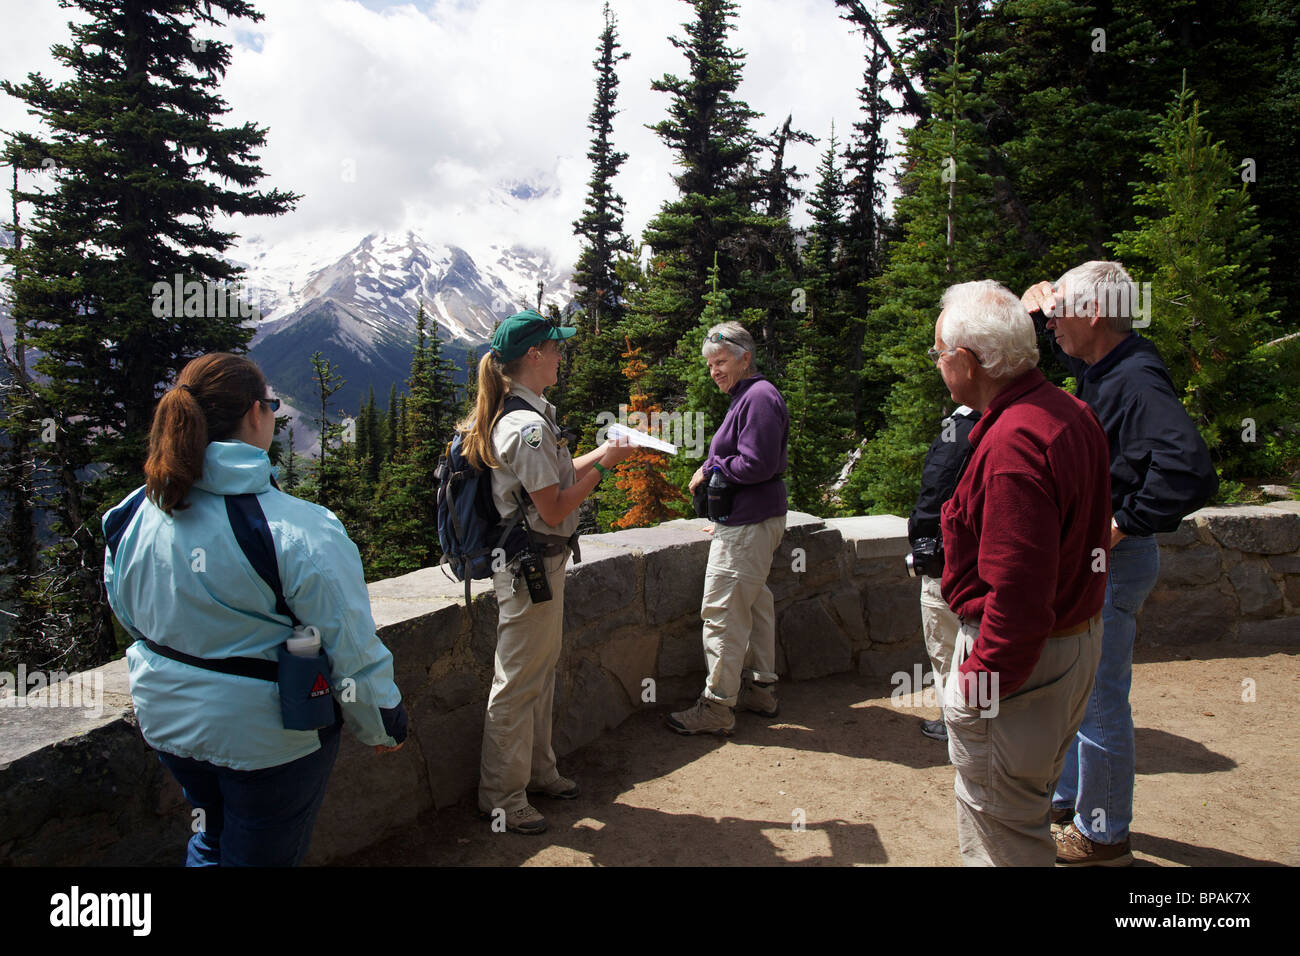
141,165
818,392
404,504
392,434
817,435
327,381
864,158
1201,244
709,131
374,448
601,225
865,230
431,402
950,235
688,365
17,481
289,478
403,428
593,378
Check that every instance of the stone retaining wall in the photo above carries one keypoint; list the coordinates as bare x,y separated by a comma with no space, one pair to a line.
78,790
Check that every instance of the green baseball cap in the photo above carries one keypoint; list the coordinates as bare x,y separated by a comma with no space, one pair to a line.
517,334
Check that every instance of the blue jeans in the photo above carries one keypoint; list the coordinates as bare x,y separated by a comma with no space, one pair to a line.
1099,768
254,817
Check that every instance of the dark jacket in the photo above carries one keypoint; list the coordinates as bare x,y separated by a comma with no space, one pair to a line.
1160,468
943,465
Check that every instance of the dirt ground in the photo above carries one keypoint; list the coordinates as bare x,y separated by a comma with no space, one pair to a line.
1217,759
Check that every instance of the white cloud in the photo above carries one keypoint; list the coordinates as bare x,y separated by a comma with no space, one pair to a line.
390,117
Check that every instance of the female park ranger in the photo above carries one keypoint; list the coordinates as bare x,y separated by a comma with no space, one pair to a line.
531,465
206,673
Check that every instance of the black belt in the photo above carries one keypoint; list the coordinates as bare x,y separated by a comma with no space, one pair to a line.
259,668
553,545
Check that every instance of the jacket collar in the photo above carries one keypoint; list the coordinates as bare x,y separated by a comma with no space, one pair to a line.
744,385
540,405
1018,389
234,468
1112,358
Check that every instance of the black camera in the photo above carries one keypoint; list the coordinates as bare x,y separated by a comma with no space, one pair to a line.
925,558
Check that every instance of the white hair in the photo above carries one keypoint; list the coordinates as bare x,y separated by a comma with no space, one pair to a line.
737,341
988,319
1104,284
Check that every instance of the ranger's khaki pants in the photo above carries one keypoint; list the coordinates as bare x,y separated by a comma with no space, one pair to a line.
517,732
738,611
1008,765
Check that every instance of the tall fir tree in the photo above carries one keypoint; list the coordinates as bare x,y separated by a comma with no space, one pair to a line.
710,133
819,388
593,379
949,235
391,430
289,476
140,166
1200,242
865,235
405,505
326,380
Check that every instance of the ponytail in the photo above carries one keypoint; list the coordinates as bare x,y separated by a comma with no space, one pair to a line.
493,383
211,396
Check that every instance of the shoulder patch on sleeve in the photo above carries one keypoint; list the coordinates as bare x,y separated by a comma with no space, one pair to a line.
532,434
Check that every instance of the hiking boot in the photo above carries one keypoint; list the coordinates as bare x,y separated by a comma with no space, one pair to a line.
935,729
1061,818
524,820
1075,849
562,788
705,717
759,698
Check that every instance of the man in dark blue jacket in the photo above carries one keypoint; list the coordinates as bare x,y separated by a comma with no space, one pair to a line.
1160,472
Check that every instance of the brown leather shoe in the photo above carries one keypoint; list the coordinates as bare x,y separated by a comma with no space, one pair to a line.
1061,818
705,717
1075,849
758,698
562,788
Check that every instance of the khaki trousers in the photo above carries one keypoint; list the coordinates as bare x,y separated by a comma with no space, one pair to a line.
738,611
1007,765
517,732
940,627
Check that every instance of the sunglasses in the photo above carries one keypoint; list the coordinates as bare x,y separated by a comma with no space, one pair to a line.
716,337
272,403
934,353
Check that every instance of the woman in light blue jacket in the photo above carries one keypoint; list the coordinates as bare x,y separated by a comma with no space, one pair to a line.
209,566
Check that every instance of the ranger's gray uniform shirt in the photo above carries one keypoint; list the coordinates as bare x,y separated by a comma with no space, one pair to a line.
529,447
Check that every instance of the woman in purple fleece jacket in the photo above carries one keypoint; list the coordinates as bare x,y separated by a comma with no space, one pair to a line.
748,452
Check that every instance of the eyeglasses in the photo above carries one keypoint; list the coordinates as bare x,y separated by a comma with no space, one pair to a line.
934,353
272,403
716,337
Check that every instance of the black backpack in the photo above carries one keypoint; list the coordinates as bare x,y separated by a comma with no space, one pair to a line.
470,530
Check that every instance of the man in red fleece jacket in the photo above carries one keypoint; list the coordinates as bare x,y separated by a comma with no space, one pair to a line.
1026,535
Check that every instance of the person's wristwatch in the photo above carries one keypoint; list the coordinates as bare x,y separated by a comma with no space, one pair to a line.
600,468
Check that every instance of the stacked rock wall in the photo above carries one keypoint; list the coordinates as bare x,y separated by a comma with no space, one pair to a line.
80,790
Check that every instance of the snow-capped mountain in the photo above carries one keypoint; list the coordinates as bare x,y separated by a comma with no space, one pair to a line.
355,303
359,309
